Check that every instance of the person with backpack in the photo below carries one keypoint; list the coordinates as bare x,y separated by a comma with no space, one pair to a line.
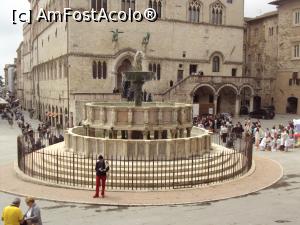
101,169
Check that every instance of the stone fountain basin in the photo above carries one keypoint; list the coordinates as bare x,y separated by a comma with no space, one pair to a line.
126,116
198,144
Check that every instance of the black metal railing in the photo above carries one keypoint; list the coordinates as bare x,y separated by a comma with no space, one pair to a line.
65,168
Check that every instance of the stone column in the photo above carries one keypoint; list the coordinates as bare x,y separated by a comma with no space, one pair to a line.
146,116
145,134
251,108
138,92
160,134
237,105
173,133
181,133
130,116
189,132
102,116
113,118
160,117
129,134
216,104
175,115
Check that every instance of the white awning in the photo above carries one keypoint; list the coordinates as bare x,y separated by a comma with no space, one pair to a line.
3,102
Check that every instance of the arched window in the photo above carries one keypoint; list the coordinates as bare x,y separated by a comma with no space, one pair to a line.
158,72
99,4
60,70
155,68
159,9
194,11
51,72
94,70
216,64
217,13
99,70
157,6
123,4
104,73
127,4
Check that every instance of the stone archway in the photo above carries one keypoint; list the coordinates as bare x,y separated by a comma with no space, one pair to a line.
228,100
257,103
124,66
246,94
204,95
292,105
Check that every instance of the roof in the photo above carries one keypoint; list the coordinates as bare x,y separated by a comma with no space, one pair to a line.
277,2
263,16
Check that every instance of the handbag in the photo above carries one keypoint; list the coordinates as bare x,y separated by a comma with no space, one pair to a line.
24,222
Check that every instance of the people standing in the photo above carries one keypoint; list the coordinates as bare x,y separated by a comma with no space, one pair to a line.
33,214
257,138
224,133
12,215
101,169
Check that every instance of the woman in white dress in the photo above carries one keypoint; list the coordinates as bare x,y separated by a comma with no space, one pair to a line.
257,138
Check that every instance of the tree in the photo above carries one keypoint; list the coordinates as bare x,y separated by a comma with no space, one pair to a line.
1,82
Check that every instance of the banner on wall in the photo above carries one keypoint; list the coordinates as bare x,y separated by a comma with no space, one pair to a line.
195,110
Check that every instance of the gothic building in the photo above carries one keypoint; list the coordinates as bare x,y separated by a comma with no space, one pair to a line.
272,52
196,49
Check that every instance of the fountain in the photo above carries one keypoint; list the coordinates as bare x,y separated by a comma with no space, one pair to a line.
150,145
138,77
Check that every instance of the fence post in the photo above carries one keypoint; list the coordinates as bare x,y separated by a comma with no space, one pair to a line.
73,169
192,175
132,183
208,166
57,166
173,171
32,163
43,163
92,171
153,172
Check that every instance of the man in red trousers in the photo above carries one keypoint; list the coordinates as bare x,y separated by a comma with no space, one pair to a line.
101,169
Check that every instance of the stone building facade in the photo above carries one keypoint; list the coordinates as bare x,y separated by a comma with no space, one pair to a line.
10,78
272,52
19,88
195,49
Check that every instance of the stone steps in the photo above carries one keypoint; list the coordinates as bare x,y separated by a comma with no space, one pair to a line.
139,178
155,183
83,165
134,166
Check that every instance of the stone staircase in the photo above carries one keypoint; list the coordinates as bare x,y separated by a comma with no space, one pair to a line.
72,170
184,89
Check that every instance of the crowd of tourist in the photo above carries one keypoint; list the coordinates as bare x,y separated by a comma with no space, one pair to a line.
34,139
279,137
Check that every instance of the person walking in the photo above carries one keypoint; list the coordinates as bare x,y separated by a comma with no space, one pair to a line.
33,214
12,215
101,169
257,138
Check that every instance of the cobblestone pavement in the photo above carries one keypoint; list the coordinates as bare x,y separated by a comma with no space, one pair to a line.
278,204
